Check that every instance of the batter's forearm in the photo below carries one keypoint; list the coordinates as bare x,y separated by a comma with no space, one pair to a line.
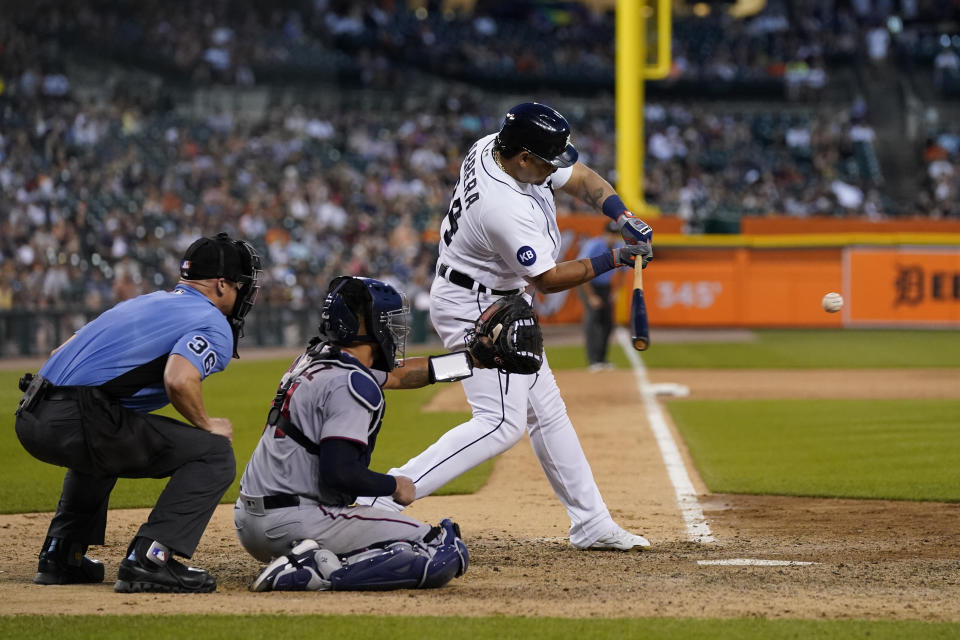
565,275
588,186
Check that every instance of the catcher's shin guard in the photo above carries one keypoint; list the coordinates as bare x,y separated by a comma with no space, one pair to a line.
405,565
398,565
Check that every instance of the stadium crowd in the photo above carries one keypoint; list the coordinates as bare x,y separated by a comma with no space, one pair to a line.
244,42
102,197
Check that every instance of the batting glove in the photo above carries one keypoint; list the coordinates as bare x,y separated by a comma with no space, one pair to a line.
633,229
627,256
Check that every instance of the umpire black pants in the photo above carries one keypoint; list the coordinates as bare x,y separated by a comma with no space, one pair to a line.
597,324
98,440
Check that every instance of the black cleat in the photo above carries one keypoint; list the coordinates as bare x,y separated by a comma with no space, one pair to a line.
64,562
170,577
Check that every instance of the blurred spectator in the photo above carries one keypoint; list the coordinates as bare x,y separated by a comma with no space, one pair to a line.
946,66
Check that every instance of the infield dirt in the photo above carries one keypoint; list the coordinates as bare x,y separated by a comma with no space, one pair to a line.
873,559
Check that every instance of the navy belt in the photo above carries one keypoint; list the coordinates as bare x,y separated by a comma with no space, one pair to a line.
465,281
280,500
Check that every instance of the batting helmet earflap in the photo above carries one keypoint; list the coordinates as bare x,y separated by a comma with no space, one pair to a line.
541,130
384,310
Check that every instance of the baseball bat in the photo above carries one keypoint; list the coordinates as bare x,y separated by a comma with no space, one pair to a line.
638,312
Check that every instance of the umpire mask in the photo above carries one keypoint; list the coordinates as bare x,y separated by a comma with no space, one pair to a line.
234,260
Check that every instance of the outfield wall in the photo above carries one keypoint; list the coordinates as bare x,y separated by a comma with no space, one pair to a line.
889,275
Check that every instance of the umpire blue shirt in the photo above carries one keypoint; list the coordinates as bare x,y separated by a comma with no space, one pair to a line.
124,350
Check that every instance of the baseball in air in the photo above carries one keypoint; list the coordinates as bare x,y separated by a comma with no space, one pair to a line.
832,302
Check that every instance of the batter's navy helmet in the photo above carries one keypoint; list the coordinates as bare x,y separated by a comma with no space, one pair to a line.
384,311
541,130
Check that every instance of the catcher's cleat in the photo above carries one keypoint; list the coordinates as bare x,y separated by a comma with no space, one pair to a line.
64,562
619,540
151,569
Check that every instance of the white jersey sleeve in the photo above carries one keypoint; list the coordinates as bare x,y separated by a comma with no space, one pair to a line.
560,177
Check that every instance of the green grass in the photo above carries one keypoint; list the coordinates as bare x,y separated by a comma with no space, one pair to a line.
242,393
278,627
790,349
895,449
820,349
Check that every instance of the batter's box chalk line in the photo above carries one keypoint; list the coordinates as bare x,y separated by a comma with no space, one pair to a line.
695,524
754,562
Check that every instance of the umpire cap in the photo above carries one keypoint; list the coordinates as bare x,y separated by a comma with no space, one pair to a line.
541,130
217,257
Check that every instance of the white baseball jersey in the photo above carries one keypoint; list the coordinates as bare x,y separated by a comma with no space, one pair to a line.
498,230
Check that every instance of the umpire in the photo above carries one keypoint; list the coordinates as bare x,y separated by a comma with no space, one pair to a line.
598,301
89,408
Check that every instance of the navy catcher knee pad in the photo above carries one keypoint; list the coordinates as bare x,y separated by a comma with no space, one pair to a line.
396,566
449,559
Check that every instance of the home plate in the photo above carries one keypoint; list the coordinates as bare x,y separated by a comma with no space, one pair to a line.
670,389
753,562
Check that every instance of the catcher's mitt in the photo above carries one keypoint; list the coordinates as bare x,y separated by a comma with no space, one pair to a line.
507,337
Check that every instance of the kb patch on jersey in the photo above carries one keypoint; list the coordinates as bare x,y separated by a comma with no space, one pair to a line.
526,255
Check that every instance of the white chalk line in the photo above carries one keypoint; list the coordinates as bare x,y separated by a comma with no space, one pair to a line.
697,528
754,562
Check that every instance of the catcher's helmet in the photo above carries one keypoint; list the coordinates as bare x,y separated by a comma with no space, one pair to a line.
237,261
541,130
384,311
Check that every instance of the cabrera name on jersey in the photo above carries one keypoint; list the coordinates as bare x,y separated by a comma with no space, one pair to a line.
497,230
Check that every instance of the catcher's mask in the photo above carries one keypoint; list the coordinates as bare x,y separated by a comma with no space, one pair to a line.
233,260
383,309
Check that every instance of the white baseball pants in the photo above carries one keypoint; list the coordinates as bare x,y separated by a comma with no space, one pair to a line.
502,409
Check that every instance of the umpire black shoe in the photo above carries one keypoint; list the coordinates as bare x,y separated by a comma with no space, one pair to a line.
171,577
64,562
140,573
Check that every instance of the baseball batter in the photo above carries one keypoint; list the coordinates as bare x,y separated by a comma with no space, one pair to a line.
295,508
499,236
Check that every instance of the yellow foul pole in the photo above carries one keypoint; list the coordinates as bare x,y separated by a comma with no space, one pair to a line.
632,70
630,57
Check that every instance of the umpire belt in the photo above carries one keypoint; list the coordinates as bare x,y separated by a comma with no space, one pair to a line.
63,393
465,281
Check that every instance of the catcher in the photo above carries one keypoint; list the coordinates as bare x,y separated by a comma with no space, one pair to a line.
296,507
